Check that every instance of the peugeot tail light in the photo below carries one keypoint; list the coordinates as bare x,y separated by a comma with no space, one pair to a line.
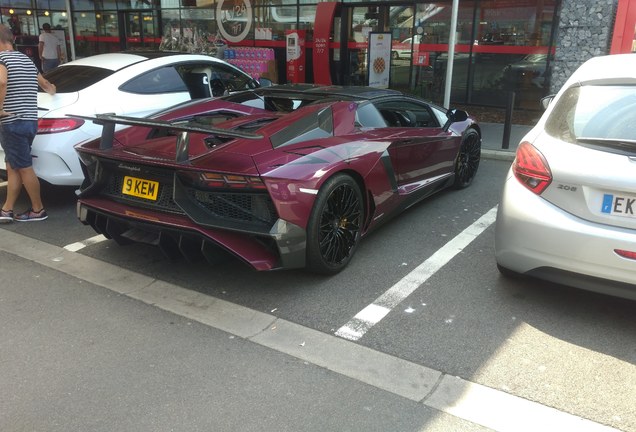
531,168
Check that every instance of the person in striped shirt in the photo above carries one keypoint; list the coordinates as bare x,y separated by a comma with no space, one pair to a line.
19,80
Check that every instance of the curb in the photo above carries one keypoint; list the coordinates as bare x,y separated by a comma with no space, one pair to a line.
504,155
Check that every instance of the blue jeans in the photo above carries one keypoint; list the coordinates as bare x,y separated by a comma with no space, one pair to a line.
48,64
16,139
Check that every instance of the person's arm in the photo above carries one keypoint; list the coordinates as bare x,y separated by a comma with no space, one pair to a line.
3,88
59,53
46,85
41,48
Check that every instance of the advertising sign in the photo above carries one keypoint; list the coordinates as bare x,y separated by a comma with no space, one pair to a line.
234,19
295,56
379,61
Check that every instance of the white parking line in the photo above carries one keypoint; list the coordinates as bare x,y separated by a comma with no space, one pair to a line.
376,311
74,247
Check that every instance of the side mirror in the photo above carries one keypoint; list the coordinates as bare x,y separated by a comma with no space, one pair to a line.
265,82
454,116
546,101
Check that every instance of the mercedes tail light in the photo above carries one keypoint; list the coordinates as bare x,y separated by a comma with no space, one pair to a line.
531,168
626,254
56,125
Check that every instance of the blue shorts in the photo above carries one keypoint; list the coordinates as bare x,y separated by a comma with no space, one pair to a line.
16,139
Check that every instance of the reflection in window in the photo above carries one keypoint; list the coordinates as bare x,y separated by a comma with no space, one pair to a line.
273,21
107,24
163,80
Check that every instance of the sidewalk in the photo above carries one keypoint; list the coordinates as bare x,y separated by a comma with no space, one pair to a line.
90,346
492,140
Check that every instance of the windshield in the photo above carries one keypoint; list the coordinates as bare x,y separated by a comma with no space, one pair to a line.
605,113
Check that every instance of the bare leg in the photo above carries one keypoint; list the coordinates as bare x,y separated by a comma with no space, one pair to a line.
14,185
32,185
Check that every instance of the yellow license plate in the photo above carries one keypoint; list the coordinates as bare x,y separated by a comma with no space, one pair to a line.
141,188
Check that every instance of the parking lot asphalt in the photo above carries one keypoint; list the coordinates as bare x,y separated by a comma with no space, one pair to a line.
89,345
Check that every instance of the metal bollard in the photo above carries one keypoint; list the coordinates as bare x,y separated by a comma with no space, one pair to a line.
505,144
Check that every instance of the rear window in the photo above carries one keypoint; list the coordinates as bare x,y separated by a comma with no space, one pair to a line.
68,79
593,112
157,81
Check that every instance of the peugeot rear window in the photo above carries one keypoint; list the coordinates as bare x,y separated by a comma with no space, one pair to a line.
599,113
70,79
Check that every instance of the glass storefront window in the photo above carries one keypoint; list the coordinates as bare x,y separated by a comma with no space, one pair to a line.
85,32
277,2
401,19
306,19
57,4
273,21
363,21
26,23
82,5
502,46
171,21
197,22
21,4
511,52
135,4
107,24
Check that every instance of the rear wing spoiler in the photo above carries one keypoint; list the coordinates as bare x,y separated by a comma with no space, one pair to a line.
108,122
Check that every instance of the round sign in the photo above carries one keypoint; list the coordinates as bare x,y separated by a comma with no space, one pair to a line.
234,18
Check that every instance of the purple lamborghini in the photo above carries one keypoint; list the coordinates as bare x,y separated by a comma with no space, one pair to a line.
288,176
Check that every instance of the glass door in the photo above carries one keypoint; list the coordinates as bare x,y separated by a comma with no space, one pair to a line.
362,21
400,24
399,21
138,30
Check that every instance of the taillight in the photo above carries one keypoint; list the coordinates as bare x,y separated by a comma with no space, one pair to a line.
626,253
55,125
231,181
531,168
208,180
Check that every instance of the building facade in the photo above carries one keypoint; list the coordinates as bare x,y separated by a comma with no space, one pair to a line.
525,47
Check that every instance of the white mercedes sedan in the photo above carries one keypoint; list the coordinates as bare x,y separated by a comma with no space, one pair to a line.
133,83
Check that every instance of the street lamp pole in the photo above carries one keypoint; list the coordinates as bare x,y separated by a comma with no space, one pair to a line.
451,54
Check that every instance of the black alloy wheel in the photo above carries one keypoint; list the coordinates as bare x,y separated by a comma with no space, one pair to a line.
333,232
468,159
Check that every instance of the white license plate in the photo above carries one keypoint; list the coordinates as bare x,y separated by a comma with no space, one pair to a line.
619,205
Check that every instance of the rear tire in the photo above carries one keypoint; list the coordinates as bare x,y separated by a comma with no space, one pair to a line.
467,159
333,231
